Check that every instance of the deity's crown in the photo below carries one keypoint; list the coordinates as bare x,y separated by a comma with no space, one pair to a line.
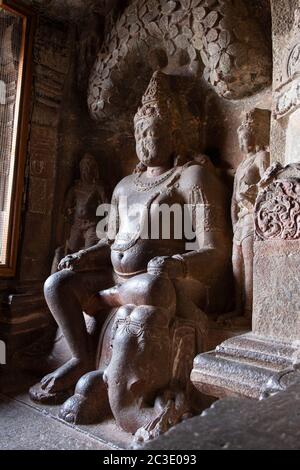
256,123
158,99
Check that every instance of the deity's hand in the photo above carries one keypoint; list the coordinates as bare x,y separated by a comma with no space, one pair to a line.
171,267
269,174
75,262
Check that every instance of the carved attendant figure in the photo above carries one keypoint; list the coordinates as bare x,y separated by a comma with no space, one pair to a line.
80,210
159,288
256,159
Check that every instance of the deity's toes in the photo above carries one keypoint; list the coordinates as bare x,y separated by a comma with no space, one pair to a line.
41,395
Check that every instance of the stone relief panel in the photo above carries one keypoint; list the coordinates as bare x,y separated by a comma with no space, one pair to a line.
51,66
286,72
221,38
277,211
254,144
277,233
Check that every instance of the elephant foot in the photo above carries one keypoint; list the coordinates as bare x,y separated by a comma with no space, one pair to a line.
89,404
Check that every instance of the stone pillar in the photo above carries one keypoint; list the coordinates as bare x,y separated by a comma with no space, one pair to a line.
266,359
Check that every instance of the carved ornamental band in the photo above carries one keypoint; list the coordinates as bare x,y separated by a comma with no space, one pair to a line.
277,212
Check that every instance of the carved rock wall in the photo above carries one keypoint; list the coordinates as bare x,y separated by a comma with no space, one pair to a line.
276,261
136,43
52,59
223,39
286,72
70,10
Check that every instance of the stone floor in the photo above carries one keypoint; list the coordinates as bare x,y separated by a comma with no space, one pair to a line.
231,423
26,425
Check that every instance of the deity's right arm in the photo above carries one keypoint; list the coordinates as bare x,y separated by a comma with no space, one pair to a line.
98,255
101,251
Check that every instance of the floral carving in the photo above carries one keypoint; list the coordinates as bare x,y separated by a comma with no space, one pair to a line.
212,33
277,212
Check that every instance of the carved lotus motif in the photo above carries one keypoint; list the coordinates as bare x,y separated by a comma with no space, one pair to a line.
277,212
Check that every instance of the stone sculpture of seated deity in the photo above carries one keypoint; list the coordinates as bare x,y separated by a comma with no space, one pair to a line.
162,289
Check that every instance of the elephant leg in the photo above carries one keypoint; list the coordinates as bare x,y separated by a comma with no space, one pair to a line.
89,404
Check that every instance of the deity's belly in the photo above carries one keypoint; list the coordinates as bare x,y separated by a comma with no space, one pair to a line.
136,258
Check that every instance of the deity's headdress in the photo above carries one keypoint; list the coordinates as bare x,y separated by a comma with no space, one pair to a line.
159,101
166,99
256,123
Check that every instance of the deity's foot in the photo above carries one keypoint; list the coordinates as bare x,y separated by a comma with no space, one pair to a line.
39,395
89,404
57,386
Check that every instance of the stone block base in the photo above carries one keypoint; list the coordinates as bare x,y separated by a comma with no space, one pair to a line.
248,366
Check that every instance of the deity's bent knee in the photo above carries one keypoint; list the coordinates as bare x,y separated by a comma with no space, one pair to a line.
148,289
58,282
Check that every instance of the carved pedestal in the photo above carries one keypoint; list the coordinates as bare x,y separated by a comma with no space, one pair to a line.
26,325
265,360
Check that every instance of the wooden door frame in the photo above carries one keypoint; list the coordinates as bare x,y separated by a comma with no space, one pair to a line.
21,128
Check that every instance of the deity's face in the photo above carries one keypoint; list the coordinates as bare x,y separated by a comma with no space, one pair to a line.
246,140
89,172
154,141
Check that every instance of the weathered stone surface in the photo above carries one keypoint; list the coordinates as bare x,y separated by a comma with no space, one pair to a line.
276,292
24,428
239,424
71,10
50,73
242,366
286,39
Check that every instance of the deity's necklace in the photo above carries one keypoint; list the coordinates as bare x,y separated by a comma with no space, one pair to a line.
148,185
123,245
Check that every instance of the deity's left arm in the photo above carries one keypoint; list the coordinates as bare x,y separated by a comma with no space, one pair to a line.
206,200
263,162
